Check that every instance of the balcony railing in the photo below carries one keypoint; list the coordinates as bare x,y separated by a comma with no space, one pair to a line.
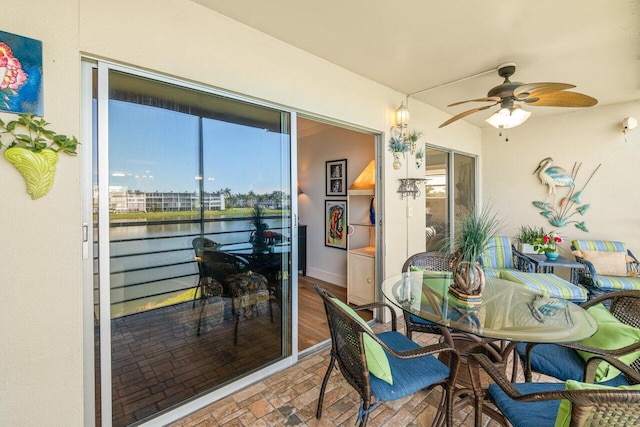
158,268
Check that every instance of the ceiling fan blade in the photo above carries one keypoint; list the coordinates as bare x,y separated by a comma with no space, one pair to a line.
488,99
465,114
534,90
562,99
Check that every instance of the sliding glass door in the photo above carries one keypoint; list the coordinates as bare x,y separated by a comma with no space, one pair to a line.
192,242
450,192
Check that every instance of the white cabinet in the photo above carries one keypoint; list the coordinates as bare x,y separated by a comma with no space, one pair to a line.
361,249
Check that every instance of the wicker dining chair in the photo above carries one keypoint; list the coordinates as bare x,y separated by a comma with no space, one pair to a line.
229,277
541,405
431,261
412,367
562,360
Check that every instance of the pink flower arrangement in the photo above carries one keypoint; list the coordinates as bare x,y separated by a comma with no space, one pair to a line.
12,76
547,243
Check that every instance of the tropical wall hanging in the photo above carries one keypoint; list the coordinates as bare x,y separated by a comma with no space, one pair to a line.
561,213
33,150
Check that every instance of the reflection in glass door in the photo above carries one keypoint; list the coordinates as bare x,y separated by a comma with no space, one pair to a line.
436,195
445,202
194,224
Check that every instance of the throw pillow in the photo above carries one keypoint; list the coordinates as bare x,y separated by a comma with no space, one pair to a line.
377,361
612,334
606,263
563,418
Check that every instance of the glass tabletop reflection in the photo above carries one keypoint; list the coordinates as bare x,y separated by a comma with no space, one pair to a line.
507,310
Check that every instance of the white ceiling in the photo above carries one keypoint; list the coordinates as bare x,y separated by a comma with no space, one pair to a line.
411,45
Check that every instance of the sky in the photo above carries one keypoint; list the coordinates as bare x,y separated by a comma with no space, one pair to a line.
154,149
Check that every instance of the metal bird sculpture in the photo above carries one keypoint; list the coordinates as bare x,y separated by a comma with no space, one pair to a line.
552,177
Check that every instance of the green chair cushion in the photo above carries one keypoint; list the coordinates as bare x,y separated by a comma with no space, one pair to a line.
377,361
612,334
563,419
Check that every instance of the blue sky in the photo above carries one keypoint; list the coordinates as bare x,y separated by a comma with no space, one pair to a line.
154,149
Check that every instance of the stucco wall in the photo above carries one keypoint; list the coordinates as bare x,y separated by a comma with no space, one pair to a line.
40,254
40,284
591,136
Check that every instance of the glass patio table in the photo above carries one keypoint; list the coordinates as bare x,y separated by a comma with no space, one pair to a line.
507,313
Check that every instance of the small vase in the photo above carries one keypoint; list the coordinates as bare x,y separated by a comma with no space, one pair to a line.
37,169
396,161
552,255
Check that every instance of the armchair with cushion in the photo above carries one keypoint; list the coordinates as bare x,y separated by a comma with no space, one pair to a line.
572,403
385,366
609,266
618,335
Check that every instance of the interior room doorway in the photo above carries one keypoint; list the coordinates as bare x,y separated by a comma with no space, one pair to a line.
330,159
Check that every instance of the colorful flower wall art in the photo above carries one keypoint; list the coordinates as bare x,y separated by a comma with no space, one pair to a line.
20,74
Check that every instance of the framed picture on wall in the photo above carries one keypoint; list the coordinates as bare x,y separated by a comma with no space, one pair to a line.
336,177
335,223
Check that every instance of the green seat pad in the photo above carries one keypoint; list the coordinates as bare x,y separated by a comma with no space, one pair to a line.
377,361
563,419
611,335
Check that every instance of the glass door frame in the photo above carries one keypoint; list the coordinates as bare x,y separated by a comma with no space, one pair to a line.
88,66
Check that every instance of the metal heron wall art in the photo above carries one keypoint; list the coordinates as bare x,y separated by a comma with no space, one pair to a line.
555,176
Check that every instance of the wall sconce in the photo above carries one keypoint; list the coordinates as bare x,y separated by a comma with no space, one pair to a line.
409,187
300,189
629,123
402,116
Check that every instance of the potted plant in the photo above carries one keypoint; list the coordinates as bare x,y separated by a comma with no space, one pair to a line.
397,145
548,245
473,232
33,150
527,236
258,237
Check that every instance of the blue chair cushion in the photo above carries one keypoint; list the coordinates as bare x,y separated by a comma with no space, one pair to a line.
562,363
527,414
409,375
421,321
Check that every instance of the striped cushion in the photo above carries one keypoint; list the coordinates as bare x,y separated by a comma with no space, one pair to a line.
618,282
492,273
599,245
548,284
498,254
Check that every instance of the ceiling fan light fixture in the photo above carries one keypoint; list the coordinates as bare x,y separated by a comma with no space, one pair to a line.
507,118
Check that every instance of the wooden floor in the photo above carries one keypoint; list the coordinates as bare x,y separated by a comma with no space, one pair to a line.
312,319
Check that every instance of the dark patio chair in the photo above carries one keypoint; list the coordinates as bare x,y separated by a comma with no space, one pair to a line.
562,361
542,405
431,261
354,346
229,276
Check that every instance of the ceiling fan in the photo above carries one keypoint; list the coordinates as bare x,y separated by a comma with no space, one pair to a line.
509,94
